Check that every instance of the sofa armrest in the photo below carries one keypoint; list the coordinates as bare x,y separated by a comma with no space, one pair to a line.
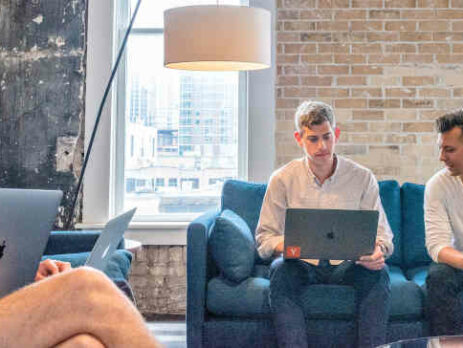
197,234
67,242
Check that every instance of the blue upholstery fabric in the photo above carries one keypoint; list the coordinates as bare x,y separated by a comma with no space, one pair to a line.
246,299
259,333
64,242
418,274
415,253
389,192
245,199
230,333
396,274
117,268
250,298
199,267
232,246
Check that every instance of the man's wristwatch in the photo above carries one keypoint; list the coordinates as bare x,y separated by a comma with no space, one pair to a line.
383,249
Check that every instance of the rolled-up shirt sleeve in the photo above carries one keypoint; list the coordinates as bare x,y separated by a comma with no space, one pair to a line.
437,223
269,231
371,200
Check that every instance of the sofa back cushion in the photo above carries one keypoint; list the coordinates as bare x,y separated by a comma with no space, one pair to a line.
413,240
245,199
232,246
389,191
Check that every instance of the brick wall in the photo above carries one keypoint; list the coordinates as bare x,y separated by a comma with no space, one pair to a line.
158,279
388,67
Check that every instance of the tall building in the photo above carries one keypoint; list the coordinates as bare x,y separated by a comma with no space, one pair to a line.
182,138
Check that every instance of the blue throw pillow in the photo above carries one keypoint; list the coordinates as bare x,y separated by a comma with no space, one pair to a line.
232,246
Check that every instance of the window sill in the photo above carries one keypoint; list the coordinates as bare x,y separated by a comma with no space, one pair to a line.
151,233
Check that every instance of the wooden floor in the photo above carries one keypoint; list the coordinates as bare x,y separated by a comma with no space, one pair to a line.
172,334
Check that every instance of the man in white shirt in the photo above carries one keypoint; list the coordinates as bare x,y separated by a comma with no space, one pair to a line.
444,229
323,180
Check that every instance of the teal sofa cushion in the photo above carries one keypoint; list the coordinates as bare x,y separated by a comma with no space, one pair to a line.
118,266
245,199
418,274
389,192
323,301
413,240
246,299
232,246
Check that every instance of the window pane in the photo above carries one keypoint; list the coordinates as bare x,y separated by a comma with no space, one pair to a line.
151,12
181,133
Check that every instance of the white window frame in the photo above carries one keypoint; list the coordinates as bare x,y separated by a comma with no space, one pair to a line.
99,201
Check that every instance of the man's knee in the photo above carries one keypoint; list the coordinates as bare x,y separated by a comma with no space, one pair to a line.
81,341
368,278
440,274
285,272
86,280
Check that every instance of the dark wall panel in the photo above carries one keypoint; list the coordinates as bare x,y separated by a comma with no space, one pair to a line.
42,84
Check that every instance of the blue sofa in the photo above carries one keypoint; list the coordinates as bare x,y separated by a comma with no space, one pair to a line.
228,307
75,246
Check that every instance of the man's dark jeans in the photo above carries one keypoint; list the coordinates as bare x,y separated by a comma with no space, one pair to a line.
444,308
288,279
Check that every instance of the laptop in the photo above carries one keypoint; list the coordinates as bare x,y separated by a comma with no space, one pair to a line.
26,219
108,240
329,234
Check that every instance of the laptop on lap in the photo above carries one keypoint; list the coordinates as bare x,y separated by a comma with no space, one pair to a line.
26,218
108,240
329,234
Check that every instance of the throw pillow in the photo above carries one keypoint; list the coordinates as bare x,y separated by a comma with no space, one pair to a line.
232,246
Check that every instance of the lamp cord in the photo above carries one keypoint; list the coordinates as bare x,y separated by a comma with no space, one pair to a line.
67,225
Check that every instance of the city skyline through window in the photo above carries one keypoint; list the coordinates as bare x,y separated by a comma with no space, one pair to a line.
181,127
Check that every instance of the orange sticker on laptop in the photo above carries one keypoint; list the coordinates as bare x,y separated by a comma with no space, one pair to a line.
293,252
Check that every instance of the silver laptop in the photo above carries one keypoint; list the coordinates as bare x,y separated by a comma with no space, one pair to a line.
26,218
108,240
329,234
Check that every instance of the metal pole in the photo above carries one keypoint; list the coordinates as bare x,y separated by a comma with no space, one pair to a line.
68,224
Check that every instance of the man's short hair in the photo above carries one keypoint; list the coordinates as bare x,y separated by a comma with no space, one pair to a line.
449,121
311,113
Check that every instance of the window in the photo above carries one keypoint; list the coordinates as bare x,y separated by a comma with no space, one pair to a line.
189,120
172,182
159,182
107,179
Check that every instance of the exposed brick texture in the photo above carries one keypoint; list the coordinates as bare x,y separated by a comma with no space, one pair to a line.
388,67
158,278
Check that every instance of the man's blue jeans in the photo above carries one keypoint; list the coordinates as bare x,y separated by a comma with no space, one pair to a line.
444,306
288,278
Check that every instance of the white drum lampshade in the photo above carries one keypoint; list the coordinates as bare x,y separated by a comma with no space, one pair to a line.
217,38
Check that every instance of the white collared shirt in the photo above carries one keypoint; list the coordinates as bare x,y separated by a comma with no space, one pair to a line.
351,186
443,210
